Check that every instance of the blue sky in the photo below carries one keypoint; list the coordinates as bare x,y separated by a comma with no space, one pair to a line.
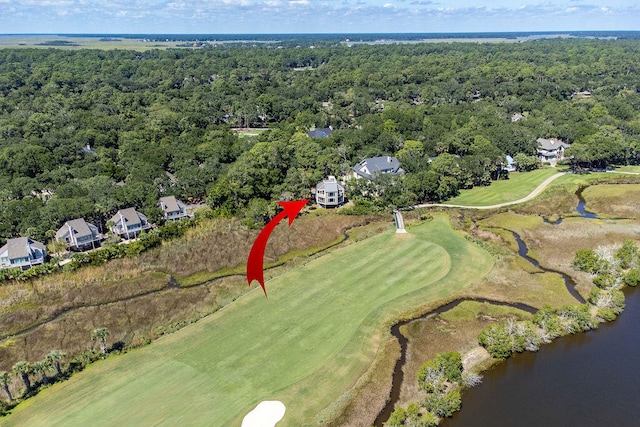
314,16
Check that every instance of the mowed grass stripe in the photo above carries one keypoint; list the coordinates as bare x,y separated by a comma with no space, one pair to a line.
306,345
519,185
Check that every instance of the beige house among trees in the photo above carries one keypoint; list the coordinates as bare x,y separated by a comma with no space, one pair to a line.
79,235
172,208
22,252
330,193
551,150
129,223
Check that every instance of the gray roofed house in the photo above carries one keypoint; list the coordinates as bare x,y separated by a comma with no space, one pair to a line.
173,208
129,223
551,150
370,168
320,133
330,193
22,252
78,234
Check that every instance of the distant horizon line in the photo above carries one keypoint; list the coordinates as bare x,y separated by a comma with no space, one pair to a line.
61,33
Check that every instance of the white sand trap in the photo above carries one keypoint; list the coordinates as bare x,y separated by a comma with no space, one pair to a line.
266,414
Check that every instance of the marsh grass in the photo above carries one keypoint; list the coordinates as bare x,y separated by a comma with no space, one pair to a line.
454,330
616,201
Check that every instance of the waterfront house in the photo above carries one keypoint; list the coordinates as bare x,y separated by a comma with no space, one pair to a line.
22,252
128,223
173,209
330,193
79,235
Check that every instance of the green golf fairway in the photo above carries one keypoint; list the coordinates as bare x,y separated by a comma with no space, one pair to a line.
306,345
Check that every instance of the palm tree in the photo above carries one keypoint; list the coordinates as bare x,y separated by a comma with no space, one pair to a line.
54,358
101,334
23,369
41,367
5,380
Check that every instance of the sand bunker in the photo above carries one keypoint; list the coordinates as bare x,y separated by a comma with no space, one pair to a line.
266,414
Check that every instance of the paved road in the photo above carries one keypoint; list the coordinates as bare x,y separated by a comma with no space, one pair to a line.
531,195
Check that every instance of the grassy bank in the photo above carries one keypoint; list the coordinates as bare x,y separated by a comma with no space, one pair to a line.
306,345
519,185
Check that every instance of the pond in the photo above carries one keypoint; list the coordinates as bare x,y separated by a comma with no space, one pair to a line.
588,379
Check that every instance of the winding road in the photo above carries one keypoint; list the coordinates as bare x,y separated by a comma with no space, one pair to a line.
539,189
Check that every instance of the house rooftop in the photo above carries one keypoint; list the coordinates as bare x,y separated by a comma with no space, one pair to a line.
551,144
19,247
79,225
130,215
169,204
320,133
369,168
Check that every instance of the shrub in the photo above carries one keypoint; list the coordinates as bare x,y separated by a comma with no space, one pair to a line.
397,418
632,278
547,320
497,341
588,261
443,405
445,366
627,255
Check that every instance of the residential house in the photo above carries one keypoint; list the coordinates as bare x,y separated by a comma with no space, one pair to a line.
22,252
370,168
551,150
129,223
173,209
516,117
330,193
510,164
320,133
79,235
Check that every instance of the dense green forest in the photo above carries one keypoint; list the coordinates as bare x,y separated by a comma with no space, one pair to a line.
161,122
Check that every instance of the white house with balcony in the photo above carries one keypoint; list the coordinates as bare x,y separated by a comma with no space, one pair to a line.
129,223
551,150
22,252
173,209
79,235
330,193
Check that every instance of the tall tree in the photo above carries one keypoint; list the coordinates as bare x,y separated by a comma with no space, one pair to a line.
101,334
23,369
41,367
55,357
5,380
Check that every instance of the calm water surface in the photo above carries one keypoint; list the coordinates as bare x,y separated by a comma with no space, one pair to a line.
589,379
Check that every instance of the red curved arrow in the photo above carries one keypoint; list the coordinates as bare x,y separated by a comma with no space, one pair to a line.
255,263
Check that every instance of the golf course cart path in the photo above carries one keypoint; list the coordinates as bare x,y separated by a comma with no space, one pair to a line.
531,195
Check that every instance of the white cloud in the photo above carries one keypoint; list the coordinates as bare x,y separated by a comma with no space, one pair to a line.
219,16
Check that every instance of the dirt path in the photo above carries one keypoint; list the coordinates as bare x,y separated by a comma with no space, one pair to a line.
531,195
